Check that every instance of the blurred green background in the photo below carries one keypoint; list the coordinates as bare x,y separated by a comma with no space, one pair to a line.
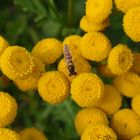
25,22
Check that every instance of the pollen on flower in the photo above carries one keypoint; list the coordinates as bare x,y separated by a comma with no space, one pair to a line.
48,50
112,100
16,62
80,64
128,84
87,89
91,26
73,42
131,24
126,124
8,109
120,59
3,45
125,5
31,82
98,10
53,87
136,104
89,116
95,46
98,132
136,63
32,134
7,134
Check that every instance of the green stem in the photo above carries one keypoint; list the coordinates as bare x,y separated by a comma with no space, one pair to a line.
69,109
70,12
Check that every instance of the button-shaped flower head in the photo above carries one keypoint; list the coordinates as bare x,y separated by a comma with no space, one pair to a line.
89,116
48,50
120,59
128,84
98,10
95,46
98,132
87,89
53,87
126,124
32,134
8,109
7,134
131,24
16,62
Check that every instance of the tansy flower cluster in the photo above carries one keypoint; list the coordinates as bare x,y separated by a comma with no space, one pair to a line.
93,58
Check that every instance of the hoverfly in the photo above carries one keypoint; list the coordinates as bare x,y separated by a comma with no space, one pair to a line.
68,60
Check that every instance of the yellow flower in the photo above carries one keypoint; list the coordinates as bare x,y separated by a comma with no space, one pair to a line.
98,132
8,109
16,62
104,70
98,10
91,26
128,84
32,134
48,50
136,63
124,5
112,100
53,87
3,45
73,42
126,124
136,104
7,134
89,116
95,46
131,24
136,137
120,59
81,65
87,89
30,83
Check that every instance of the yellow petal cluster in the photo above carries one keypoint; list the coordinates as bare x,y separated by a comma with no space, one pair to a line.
136,63
128,84
8,109
3,45
126,124
136,137
98,132
7,134
136,104
91,26
125,5
87,89
98,10
112,100
80,64
32,134
53,87
131,24
95,46
16,62
104,70
120,59
48,50
31,82
89,116
73,41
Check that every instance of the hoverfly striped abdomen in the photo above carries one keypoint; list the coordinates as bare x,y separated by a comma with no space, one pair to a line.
68,59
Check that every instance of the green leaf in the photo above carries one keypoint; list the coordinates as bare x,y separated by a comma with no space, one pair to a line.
33,6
